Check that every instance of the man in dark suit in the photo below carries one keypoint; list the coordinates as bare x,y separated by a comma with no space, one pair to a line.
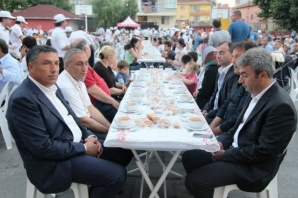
56,149
251,152
224,81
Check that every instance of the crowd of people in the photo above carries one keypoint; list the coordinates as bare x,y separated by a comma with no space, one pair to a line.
69,95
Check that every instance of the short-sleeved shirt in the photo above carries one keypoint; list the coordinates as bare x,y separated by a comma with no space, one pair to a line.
121,78
192,88
4,33
75,93
59,40
92,79
239,31
16,32
106,73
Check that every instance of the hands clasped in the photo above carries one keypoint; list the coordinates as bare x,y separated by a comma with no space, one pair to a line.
94,148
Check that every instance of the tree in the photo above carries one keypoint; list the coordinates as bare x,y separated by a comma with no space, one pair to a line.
13,5
110,12
285,13
130,9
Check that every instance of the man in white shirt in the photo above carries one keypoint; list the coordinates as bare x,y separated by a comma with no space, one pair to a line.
59,40
16,36
251,152
71,83
5,22
55,148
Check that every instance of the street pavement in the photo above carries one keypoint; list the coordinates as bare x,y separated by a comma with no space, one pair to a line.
13,177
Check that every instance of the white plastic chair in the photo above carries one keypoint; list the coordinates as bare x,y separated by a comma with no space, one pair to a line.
79,191
4,96
96,55
294,85
269,192
294,88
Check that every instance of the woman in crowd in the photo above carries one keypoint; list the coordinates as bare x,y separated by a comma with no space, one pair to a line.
161,46
180,52
104,68
133,52
207,77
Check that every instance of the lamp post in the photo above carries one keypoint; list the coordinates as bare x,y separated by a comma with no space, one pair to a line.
84,12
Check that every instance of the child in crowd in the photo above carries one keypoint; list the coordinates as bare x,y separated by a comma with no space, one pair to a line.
190,78
184,60
123,72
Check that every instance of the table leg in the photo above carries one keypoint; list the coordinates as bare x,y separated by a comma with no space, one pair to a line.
144,173
164,175
162,164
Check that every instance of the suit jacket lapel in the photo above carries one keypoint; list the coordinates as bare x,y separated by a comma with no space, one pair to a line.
262,101
44,99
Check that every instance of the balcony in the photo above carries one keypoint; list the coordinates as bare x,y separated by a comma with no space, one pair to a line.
149,9
199,12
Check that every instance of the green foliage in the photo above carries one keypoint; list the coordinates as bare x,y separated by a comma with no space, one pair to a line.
13,5
110,12
284,13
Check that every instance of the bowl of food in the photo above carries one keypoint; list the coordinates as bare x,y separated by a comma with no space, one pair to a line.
185,98
137,90
138,83
135,97
180,89
195,122
123,121
131,106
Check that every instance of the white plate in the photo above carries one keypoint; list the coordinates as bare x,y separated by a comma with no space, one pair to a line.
191,101
203,128
187,106
114,125
123,110
139,85
176,92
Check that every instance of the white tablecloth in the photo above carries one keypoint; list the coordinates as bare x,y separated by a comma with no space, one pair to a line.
156,138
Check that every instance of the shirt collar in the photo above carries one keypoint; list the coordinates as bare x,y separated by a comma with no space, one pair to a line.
51,89
72,80
257,97
224,69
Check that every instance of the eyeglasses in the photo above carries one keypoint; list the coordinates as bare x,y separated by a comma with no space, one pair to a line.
220,53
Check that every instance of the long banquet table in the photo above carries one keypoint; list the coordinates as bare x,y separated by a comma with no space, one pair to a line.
159,97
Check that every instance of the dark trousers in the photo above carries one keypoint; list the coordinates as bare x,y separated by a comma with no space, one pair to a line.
107,110
61,65
106,178
203,175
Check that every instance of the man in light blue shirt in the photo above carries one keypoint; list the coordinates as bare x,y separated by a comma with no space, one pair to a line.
10,68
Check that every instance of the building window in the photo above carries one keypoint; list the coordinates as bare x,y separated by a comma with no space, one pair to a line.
165,20
170,4
195,8
182,17
251,16
182,8
196,18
